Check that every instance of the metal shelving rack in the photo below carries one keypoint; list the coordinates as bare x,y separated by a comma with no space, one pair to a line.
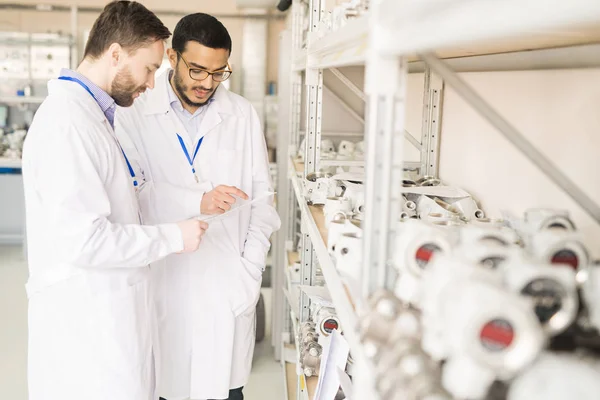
397,37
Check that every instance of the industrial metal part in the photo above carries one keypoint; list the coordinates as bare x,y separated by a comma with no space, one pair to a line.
552,289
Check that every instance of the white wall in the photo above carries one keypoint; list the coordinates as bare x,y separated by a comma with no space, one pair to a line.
557,111
33,21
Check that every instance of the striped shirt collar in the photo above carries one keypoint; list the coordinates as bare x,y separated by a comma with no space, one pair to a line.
107,104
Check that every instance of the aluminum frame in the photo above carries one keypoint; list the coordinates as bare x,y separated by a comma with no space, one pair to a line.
349,84
384,170
432,123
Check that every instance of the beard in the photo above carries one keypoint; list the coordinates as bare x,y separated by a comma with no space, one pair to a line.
123,88
181,89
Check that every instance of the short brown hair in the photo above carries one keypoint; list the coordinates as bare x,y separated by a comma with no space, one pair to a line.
127,23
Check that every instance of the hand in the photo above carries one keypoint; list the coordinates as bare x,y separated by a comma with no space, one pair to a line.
192,231
220,199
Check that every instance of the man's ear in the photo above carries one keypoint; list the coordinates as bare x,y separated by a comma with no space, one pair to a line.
115,52
172,55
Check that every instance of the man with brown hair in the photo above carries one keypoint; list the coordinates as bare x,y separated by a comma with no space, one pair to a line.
91,322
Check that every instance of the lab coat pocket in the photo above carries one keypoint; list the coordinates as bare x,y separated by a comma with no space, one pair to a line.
123,331
227,166
249,283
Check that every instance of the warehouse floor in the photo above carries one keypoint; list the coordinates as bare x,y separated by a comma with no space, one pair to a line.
266,381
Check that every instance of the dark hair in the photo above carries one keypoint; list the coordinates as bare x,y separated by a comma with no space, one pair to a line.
202,28
127,23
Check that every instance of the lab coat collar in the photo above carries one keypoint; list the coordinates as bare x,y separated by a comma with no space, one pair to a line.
157,99
73,90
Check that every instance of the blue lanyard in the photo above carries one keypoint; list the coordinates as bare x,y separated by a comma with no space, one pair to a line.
83,85
187,155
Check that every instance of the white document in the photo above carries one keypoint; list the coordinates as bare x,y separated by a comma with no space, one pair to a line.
238,205
335,356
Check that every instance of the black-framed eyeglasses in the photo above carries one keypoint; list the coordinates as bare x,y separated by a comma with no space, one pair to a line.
199,74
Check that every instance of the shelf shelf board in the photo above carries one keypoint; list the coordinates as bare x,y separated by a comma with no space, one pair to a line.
486,27
15,100
314,220
291,378
293,257
10,162
345,47
311,386
299,63
298,164
318,217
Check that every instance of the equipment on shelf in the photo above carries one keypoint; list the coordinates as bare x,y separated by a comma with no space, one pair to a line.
349,260
310,359
391,333
435,209
409,209
552,288
312,334
483,331
346,12
489,310
557,247
336,208
590,291
325,319
467,207
557,377
309,349
318,187
416,244
346,150
540,219
487,246
339,227
11,142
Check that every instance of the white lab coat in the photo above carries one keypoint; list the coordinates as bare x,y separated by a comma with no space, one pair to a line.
91,324
205,301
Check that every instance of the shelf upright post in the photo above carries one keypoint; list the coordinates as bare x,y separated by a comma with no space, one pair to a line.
312,153
285,196
432,123
290,100
296,77
314,99
385,82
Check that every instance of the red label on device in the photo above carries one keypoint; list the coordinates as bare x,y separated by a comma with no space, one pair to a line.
497,335
424,254
329,325
567,257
